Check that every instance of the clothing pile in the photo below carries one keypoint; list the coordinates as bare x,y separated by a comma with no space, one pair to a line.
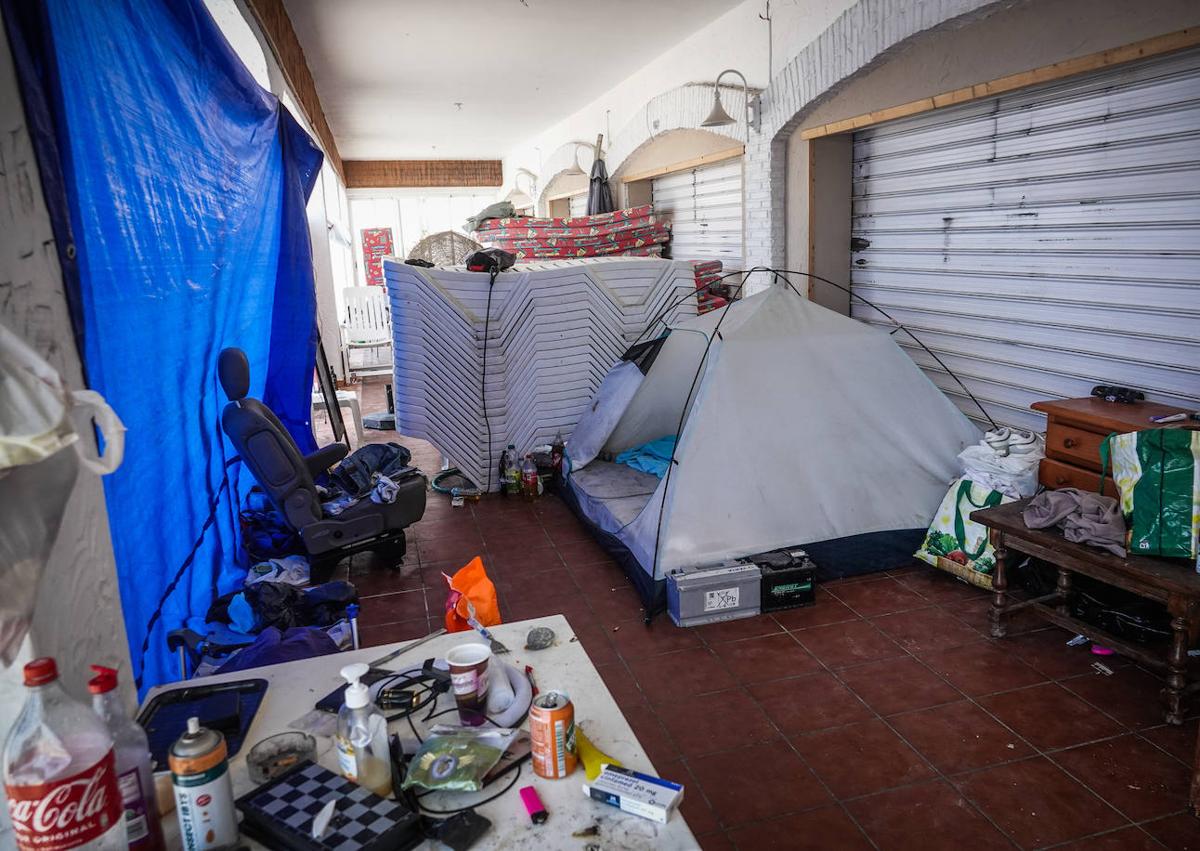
372,470
1084,517
635,231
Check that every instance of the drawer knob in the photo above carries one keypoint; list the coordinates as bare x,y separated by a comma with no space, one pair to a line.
1061,480
1070,442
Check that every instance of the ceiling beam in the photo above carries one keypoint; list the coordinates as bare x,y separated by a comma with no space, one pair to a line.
393,174
273,19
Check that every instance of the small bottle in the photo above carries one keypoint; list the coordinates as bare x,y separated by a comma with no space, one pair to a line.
504,473
362,736
132,751
529,479
514,471
557,448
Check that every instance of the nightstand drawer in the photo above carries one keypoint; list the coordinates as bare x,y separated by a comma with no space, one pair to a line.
1074,445
1055,474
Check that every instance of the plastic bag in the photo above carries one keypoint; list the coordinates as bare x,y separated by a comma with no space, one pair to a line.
956,543
1015,476
471,587
455,762
39,420
1156,472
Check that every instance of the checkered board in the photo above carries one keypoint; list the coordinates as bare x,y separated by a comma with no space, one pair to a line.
281,812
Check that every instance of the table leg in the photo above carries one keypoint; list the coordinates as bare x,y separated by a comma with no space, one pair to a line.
999,585
1177,657
1063,590
1194,794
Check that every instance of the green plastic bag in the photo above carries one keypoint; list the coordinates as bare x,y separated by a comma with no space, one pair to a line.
956,543
1157,472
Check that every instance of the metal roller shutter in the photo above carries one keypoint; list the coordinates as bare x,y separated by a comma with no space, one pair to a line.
578,205
704,206
1043,241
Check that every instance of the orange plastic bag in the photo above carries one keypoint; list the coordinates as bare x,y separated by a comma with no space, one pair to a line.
472,594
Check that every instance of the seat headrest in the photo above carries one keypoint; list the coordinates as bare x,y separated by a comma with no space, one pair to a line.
233,370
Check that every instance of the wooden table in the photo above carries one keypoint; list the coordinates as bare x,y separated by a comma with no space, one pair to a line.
1172,582
296,686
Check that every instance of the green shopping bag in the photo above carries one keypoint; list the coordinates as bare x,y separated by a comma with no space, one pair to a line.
1157,472
956,543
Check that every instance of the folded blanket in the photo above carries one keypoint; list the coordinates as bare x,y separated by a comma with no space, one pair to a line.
1083,516
653,457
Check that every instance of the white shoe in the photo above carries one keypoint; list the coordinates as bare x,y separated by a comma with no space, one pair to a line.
1023,443
998,440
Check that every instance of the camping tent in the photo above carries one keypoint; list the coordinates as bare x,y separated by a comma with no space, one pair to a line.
796,426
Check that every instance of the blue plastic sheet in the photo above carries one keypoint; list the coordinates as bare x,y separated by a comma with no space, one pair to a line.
186,184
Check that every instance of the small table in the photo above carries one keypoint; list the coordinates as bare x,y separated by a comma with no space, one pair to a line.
1170,581
294,687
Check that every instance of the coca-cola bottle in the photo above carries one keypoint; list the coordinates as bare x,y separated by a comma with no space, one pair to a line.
59,771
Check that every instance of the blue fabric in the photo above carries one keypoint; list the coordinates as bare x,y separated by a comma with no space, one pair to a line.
272,647
653,457
186,183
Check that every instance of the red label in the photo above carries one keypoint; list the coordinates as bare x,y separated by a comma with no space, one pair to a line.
68,812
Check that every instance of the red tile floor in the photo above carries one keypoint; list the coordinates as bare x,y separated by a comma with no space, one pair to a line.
880,717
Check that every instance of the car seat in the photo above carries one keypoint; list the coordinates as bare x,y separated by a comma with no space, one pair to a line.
286,476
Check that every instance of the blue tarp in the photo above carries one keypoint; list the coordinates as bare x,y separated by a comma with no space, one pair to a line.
186,185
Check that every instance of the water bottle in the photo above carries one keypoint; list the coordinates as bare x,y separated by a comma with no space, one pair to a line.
529,479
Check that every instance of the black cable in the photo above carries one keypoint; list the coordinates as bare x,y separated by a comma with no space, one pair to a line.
658,317
487,319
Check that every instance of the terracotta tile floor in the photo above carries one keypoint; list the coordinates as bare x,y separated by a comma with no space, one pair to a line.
880,717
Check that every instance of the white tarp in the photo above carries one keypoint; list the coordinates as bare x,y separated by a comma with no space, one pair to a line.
804,426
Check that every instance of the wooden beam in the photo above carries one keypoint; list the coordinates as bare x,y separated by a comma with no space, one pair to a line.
1156,46
275,24
694,162
388,174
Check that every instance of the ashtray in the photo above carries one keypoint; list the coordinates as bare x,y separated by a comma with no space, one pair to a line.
276,754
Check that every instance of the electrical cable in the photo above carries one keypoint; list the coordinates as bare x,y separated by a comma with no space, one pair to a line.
493,273
487,800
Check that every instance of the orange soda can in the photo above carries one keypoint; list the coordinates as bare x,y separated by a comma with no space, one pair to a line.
552,730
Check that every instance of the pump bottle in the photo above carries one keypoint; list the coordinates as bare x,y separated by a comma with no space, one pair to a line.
362,736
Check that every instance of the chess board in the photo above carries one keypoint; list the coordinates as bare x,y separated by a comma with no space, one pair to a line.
280,814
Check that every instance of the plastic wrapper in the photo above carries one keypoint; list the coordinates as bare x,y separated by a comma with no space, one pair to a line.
455,762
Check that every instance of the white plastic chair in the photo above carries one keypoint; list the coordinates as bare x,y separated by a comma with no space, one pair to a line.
368,325
345,399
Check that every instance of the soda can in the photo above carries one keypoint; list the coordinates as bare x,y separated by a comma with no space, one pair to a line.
552,729
203,790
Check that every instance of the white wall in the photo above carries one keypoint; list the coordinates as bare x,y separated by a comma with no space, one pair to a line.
738,39
77,616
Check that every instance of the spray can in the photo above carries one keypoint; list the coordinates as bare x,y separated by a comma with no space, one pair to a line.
552,731
203,790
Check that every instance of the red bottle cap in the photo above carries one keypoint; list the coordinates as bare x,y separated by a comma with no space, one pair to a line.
40,671
104,681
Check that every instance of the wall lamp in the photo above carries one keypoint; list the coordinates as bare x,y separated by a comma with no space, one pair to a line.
718,117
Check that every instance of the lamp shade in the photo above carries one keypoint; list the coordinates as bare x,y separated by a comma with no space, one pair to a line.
718,117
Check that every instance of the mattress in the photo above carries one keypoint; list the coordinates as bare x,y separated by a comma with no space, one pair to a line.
555,329
611,495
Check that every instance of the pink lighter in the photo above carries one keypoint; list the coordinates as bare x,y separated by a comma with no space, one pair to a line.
533,805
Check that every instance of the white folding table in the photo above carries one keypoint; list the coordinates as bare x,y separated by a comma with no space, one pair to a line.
294,688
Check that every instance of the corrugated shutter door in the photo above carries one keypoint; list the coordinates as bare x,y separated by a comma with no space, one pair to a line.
578,205
704,206
1044,241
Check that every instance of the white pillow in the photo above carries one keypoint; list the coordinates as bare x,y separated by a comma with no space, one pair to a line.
608,406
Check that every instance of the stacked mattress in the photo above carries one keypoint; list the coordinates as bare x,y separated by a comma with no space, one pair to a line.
635,231
555,329
708,278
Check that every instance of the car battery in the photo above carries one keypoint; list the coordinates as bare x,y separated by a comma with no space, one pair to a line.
788,578
723,592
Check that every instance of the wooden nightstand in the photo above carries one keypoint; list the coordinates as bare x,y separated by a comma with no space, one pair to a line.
1074,431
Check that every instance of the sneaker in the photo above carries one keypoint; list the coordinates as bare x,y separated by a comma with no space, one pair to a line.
998,440
1023,443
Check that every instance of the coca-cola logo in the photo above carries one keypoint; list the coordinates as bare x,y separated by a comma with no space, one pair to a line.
67,812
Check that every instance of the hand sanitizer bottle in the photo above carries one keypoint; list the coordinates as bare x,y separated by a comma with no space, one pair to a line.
362,736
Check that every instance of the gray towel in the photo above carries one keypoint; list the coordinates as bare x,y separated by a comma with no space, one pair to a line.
1083,516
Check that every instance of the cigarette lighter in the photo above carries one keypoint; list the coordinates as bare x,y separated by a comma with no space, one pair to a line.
533,805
